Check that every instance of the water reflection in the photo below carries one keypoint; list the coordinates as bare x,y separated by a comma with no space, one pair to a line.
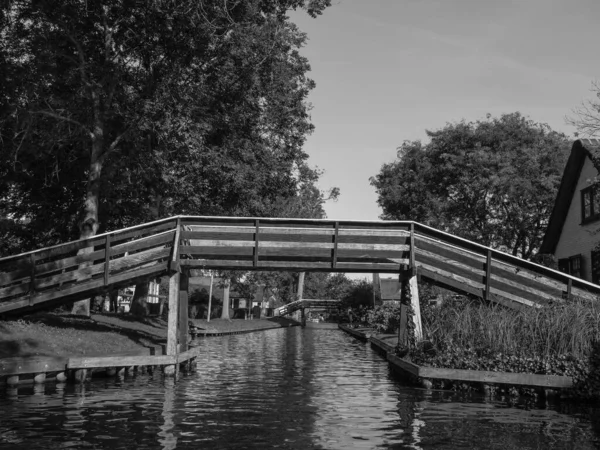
286,388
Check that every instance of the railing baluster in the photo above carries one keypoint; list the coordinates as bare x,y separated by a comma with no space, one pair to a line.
257,225
106,259
488,274
412,256
335,246
32,279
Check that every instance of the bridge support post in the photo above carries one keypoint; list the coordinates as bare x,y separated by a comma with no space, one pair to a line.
183,310
302,317
409,296
173,319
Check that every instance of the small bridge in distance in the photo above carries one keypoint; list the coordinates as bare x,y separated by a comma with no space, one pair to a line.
303,304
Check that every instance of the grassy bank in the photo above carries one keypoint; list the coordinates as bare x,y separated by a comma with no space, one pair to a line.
561,339
48,334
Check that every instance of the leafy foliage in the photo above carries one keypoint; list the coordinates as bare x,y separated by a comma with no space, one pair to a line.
492,181
385,318
116,113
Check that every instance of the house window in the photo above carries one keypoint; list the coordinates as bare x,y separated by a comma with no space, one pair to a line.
590,204
596,266
571,265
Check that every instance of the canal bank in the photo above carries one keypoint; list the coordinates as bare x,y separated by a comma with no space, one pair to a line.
47,347
455,379
288,388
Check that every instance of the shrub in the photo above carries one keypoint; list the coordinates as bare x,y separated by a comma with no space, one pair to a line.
385,318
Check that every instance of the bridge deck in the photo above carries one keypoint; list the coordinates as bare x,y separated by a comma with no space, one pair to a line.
79,269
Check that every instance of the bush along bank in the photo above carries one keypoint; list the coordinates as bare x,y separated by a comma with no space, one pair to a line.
465,334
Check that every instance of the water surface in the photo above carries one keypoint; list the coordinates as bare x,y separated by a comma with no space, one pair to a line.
287,388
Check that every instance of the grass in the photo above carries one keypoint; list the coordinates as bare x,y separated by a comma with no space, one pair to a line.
562,329
65,335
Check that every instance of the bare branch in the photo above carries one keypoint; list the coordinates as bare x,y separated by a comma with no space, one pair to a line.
65,119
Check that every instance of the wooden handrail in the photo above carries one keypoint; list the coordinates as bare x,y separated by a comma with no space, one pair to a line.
97,236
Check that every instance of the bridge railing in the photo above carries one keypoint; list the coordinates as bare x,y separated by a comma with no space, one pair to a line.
466,266
86,267
294,244
82,268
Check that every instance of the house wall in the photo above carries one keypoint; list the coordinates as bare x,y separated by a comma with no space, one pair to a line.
576,238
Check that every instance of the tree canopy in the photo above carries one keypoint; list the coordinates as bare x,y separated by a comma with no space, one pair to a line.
493,181
117,112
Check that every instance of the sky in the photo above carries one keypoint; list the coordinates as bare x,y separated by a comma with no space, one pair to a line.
387,70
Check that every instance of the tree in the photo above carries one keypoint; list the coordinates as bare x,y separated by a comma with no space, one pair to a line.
113,110
492,181
587,116
148,109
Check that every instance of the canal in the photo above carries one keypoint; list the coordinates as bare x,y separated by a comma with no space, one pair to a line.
285,388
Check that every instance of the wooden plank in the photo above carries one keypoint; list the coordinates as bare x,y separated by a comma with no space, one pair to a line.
158,240
31,364
384,346
75,275
11,305
521,379
15,290
199,230
20,274
136,259
119,361
67,263
189,354
141,231
152,270
70,247
406,366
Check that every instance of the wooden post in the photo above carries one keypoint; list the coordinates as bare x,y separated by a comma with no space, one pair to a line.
106,259
414,301
255,256
488,274
173,320
32,280
210,296
302,316
183,310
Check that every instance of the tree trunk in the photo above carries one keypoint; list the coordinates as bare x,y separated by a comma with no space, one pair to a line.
114,301
139,303
225,311
89,224
301,276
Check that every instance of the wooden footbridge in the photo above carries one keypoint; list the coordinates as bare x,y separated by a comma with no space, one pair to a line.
81,269
303,304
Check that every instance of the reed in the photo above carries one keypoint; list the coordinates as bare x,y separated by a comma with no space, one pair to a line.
569,328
